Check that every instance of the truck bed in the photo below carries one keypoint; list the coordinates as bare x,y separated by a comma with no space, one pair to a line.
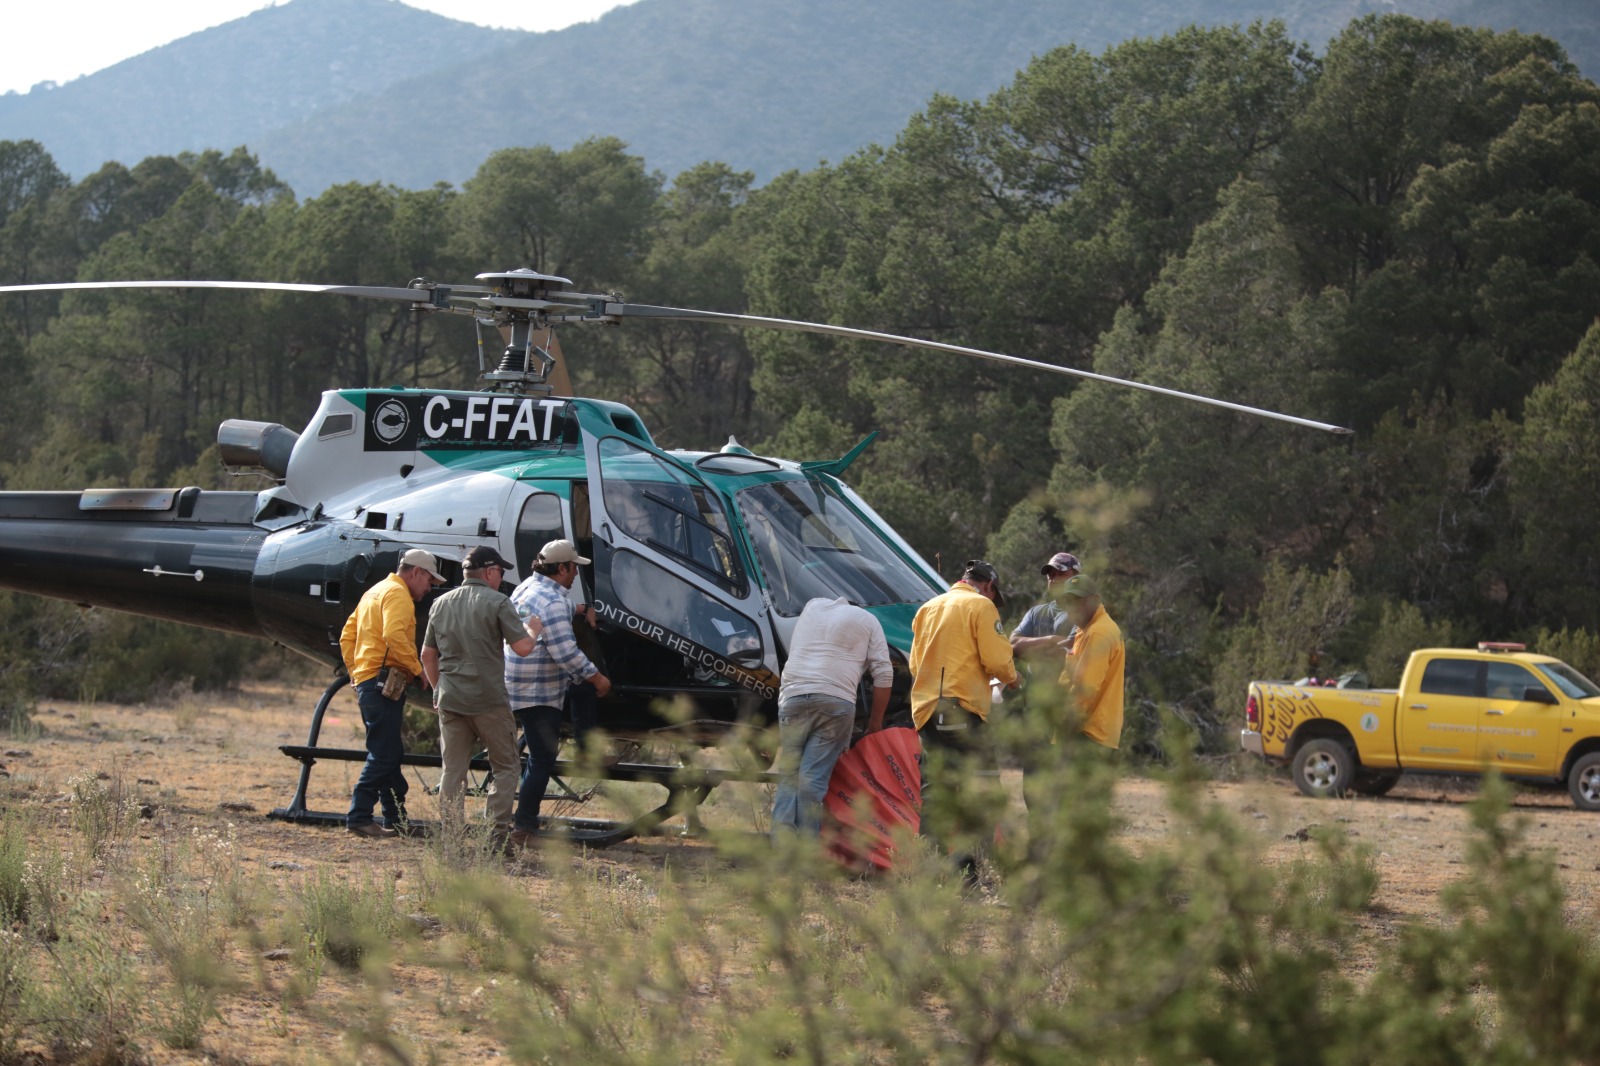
1284,706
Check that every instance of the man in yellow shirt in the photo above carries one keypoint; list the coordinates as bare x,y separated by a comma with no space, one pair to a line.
957,646
380,637
1093,672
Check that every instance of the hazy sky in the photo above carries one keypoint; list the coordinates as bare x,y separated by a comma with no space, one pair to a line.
47,42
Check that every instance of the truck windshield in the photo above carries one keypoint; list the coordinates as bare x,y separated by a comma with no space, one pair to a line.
1569,681
811,543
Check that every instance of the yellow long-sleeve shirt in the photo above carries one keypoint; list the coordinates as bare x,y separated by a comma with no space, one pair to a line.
957,645
1093,677
382,629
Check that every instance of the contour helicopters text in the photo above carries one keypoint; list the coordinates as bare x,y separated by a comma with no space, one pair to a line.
759,683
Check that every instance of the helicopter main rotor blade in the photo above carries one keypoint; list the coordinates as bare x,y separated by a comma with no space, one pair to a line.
585,307
455,299
625,310
430,296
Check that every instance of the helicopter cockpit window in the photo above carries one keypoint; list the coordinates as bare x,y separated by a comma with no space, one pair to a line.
336,425
811,543
538,525
662,505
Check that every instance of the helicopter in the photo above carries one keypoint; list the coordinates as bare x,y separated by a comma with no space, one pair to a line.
701,560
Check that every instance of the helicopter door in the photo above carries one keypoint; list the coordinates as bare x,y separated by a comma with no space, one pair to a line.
667,568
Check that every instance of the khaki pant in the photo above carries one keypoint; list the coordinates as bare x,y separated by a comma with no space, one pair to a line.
459,735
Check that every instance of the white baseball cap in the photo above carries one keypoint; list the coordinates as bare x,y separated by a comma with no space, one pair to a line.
561,551
423,561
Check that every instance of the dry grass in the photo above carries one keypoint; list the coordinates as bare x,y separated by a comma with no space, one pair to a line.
147,826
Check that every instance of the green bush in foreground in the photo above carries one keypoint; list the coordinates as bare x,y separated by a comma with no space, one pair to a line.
1086,949
1085,944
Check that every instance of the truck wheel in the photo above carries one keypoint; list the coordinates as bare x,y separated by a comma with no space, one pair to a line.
1584,782
1323,768
1374,784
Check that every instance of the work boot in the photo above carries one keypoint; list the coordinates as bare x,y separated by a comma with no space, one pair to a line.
522,840
372,829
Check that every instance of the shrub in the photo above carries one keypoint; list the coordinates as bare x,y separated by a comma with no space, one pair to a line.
101,810
93,995
1401,630
346,922
1578,648
15,890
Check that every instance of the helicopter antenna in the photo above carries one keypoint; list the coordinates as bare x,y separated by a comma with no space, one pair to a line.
838,466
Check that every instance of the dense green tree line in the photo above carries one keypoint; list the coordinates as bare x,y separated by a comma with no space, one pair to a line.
1401,235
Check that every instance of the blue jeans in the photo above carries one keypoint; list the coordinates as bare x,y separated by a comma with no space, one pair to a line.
382,780
541,732
813,731
582,707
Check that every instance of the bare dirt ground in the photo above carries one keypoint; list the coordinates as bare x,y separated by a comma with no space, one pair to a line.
210,762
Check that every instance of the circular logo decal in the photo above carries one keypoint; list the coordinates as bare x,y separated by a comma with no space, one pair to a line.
390,421
1369,722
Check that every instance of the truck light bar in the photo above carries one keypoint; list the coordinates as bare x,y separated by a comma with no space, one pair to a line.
1495,645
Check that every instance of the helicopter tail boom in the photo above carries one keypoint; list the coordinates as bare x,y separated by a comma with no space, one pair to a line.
177,554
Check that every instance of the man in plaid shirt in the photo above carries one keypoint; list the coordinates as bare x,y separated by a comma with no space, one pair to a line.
537,683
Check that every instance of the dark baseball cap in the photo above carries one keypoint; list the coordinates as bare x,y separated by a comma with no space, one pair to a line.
978,570
1061,561
484,556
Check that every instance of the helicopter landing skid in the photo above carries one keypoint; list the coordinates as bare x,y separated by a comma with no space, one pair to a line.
687,788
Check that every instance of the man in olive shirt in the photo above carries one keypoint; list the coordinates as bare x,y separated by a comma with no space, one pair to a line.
463,658
380,637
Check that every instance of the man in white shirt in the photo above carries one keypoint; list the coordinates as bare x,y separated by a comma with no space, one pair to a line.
834,644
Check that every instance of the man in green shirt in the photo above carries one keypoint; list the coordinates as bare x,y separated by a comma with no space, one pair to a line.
463,659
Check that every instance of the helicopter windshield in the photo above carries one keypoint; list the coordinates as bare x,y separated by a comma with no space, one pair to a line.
811,543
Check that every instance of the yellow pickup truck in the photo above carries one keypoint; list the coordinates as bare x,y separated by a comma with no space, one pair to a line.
1457,711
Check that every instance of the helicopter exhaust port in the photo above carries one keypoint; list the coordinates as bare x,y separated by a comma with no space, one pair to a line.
261,444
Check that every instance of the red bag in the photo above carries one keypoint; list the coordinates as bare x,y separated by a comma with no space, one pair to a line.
882,766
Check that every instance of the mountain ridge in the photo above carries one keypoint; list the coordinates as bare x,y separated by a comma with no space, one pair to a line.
328,91
232,83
